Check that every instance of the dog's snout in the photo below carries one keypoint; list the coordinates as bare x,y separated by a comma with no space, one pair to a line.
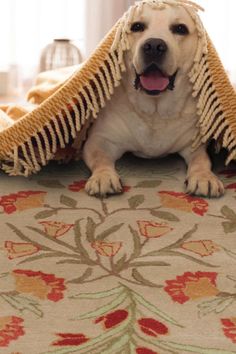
154,49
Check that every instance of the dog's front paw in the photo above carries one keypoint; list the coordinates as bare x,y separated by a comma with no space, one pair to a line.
204,184
103,183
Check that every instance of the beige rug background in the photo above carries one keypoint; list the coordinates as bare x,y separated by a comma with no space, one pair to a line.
150,271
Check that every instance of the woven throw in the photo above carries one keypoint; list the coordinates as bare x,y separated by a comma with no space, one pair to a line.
62,120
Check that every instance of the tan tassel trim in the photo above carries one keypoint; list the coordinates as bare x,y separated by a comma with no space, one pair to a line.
99,92
64,126
62,135
216,102
76,111
69,117
53,138
40,150
33,157
46,145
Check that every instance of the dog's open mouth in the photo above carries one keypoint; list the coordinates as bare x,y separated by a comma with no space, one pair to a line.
153,81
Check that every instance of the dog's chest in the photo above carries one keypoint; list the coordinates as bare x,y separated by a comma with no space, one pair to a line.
158,136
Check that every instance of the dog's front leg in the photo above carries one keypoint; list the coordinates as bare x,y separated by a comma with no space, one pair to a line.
100,155
200,179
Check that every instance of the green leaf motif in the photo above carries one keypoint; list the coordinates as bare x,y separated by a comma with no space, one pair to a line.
164,215
229,227
150,264
78,240
90,230
148,184
140,299
217,305
45,214
136,201
22,303
119,344
137,243
228,213
190,348
120,299
108,232
120,263
67,201
99,295
139,278
86,275
51,183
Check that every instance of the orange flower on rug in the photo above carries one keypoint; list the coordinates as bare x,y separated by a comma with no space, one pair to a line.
17,249
152,229
43,286
22,201
203,248
56,228
183,202
192,286
107,249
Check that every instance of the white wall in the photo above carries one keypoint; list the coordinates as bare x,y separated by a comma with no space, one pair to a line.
220,21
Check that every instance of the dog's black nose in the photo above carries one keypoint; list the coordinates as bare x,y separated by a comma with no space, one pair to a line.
154,49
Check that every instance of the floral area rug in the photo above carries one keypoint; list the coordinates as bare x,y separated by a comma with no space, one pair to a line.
152,271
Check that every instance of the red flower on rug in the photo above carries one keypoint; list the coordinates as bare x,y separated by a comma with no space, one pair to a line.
231,186
11,328
183,202
152,327
56,228
16,250
192,286
22,201
203,248
230,328
77,186
151,229
145,351
43,286
113,319
107,249
126,189
70,339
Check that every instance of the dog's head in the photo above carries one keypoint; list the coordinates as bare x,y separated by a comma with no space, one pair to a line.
163,44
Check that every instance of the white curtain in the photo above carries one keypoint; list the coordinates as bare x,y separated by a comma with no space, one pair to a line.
27,26
219,20
101,15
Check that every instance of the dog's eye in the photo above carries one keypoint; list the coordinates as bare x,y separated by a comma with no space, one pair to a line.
138,27
180,29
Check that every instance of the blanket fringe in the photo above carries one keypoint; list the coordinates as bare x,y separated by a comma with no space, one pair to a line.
64,127
216,102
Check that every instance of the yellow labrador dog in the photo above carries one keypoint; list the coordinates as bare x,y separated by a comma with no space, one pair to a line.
152,113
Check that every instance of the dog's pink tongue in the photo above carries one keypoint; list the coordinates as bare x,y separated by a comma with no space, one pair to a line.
154,81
